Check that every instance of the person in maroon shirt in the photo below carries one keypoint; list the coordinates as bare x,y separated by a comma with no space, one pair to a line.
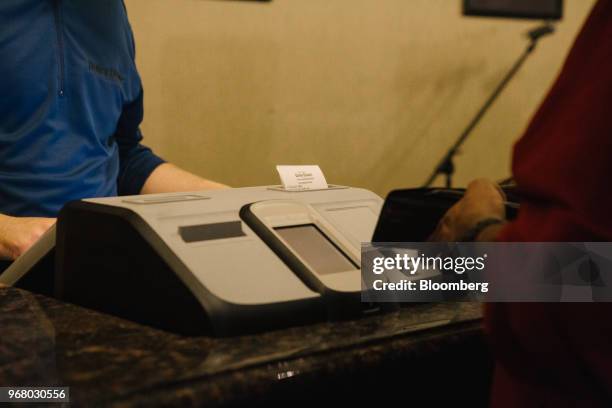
554,354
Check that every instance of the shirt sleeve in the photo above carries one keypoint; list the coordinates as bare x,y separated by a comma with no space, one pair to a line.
136,162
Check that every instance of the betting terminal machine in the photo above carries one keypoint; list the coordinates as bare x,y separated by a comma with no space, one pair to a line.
221,262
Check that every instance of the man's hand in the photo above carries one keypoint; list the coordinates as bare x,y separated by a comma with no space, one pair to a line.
483,199
167,178
18,234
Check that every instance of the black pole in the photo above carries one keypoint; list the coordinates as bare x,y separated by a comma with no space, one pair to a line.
446,166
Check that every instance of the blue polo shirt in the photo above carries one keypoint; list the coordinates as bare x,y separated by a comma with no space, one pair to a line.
71,103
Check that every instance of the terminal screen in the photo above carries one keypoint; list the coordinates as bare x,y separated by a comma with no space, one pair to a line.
314,247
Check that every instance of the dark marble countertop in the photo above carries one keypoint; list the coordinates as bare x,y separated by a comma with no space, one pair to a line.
108,361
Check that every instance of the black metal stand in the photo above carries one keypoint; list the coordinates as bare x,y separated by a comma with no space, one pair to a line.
446,166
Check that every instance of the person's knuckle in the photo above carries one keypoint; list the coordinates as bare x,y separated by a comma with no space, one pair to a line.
19,247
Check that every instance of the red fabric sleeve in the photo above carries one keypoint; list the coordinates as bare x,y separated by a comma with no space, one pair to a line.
563,163
561,354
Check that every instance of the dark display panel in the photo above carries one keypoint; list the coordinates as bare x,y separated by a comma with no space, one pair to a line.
539,9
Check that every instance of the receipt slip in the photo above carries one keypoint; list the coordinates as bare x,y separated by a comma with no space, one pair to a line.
298,178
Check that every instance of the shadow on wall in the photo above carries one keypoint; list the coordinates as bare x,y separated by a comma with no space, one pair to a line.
439,92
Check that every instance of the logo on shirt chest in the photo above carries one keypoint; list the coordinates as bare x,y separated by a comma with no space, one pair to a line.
109,73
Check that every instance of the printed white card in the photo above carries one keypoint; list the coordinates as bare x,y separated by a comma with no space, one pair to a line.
298,178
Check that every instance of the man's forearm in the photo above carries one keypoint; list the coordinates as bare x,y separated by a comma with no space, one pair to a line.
168,178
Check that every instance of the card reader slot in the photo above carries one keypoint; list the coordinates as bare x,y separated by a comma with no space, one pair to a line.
155,199
208,232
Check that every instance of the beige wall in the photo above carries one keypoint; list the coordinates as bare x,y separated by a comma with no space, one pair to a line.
372,90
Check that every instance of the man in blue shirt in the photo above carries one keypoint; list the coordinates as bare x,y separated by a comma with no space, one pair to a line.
71,104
